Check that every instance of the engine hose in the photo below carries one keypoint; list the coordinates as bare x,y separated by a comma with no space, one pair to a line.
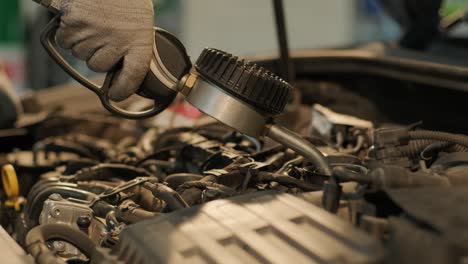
135,215
173,200
129,212
192,194
36,242
430,151
286,180
439,136
344,174
202,185
175,180
415,147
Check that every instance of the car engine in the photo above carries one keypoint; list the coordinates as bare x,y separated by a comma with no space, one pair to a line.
90,188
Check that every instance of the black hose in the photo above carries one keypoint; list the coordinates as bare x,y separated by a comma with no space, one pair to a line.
135,215
202,185
36,242
439,136
173,200
101,208
344,174
175,180
287,181
192,194
430,151
129,212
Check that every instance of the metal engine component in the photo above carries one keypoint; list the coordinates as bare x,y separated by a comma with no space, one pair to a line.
233,112
57,210
257,228
211,194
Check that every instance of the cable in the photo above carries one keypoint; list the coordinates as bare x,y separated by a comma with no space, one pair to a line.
439,136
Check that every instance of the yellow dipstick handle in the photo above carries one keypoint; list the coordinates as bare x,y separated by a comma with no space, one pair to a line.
10,182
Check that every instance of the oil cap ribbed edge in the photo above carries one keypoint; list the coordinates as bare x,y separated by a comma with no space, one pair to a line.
245,80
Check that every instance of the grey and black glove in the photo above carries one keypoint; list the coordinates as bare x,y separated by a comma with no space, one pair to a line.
106,32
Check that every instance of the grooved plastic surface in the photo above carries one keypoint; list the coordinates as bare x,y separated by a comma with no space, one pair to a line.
259,228
245,80
11,252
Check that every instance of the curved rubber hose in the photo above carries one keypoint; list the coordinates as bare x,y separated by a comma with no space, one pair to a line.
287,181
36,242
173,199
344,174
433,149
175,180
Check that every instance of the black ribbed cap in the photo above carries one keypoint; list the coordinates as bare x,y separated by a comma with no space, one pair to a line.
247,81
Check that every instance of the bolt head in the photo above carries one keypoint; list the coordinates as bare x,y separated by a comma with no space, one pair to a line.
83,221
55,213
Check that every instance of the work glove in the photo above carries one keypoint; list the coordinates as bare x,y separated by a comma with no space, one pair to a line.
106,32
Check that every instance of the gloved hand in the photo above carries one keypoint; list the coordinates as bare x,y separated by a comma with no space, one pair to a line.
105,32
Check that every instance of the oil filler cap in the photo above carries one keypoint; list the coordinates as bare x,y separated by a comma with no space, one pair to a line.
245,80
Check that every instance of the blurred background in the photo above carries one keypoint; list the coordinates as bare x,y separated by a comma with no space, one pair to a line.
243,26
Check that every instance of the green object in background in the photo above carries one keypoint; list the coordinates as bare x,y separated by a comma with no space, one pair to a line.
452,7
10,24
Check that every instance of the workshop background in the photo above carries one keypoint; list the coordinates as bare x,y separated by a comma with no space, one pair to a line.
243,26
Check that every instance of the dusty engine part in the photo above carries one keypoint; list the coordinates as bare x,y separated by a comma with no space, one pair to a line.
79,216
256,228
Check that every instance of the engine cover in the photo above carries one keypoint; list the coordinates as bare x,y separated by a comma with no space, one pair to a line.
264,227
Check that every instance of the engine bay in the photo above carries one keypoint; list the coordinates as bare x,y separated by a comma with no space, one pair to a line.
85,188
352,154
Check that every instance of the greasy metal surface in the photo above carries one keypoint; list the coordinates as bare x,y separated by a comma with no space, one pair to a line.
300,145
60,211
